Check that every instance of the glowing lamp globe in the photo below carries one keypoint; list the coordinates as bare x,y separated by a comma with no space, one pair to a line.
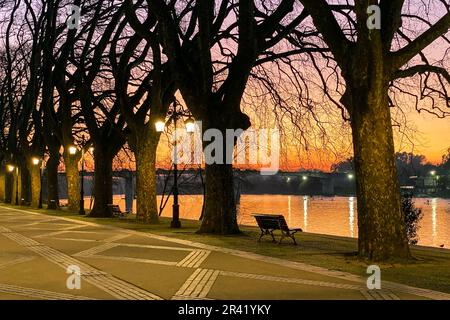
160,126
190,125
72,150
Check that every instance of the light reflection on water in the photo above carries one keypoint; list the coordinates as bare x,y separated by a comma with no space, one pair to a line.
324,215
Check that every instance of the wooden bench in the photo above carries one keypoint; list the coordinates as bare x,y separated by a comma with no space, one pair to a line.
268,223
116,212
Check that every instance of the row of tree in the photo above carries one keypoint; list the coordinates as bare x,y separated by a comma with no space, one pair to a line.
112,73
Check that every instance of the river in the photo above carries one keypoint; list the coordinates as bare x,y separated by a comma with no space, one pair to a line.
323,215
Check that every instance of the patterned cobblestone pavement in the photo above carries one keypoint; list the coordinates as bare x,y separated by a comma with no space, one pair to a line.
115,263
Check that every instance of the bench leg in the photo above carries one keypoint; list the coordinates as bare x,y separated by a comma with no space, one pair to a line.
262,235
293,239
265,233
285,235
273,237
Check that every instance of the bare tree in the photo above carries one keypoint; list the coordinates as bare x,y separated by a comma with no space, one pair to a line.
370,60
211,47
144,87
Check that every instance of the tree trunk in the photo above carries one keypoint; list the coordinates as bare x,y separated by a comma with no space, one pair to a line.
220,207
15,200
2,186
24,186
103,174
220,215
73,181
52,181
381,223
9,181
145,152
35,176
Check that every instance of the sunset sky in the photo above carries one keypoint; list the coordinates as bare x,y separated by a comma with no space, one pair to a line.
434,137
427,135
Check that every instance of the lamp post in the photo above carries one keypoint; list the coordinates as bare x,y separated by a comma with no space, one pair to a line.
82,211
176,113
36,161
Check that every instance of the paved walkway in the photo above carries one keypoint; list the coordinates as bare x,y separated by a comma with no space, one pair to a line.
36,251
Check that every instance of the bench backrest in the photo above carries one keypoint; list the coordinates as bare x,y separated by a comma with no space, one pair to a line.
114,208
271,221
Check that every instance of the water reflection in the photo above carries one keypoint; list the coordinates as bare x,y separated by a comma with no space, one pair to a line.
325,215
351,215
305,213
289,209
434,219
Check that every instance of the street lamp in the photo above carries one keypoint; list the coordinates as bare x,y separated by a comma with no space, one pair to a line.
305,178
160,126
73,150
433,173
83,151
350,176
176,113
190,125
36,161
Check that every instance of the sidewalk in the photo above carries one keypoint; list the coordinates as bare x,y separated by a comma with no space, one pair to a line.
124,264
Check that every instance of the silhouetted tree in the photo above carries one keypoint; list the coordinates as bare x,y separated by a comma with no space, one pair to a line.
371,61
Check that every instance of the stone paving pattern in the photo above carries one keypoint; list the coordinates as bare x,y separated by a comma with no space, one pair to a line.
115,263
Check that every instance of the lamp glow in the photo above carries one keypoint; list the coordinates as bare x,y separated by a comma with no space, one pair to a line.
160,126
72,150
11,168
35,161
350,176
190,125
305,178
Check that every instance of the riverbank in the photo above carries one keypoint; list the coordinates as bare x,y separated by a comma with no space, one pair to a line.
430,268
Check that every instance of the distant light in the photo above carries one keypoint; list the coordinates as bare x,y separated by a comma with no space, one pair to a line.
288,179
72,150
437,177
160,126
11,168
35,161
350,176
190,125
433,172
305,178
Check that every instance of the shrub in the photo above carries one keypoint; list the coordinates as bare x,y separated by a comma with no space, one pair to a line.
413,215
